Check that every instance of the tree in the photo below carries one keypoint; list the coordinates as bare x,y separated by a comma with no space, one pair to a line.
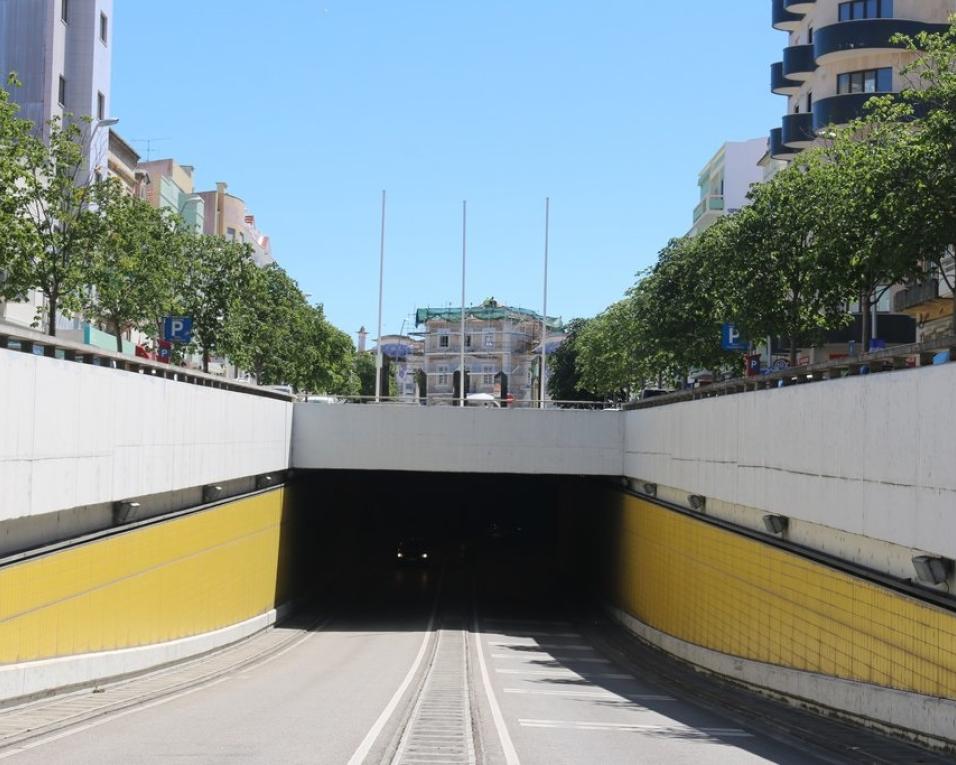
363,368
57,195
134,265
211,286
780,278
15,225
329,358
610,360
564,383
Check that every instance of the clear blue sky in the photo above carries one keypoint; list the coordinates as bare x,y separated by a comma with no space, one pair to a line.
309,108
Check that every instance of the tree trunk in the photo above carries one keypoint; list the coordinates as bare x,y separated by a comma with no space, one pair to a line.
51,315
205,360
865,322
119,336
793,350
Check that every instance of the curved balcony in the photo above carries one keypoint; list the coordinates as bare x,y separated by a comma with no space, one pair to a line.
777,148
780,84
799,62
849,38
783,19
839,110
798,130
799,6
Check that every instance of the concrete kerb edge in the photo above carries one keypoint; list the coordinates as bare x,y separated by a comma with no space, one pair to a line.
28,681
927,720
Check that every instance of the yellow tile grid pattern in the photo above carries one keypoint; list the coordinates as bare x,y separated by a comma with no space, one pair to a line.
727,592
170,580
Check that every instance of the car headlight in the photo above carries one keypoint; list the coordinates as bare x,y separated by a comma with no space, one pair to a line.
424,555
400,555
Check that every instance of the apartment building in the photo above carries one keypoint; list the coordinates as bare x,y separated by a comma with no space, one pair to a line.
171,187
501,348
226,215
726,179
839,54
61,52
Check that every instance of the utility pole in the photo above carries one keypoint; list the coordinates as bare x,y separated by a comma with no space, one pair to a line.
381,281
461,339
544,313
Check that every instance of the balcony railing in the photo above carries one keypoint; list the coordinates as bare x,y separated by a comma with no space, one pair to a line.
866,34
916,294
713,202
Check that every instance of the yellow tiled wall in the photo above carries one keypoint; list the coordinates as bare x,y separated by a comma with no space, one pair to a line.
161,582
736,595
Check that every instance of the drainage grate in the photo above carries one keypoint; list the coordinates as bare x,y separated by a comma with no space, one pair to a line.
439,730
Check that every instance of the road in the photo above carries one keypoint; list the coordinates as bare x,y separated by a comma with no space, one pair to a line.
530,684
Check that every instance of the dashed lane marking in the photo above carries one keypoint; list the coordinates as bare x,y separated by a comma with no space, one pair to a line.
565,674
683,730
636,697
531,656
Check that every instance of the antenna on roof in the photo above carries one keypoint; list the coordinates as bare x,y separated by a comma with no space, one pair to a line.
149,144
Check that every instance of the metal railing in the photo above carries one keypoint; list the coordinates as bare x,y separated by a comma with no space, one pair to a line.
20,339
886,360
447,400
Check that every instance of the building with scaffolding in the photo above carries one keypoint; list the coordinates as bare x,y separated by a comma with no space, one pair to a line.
502,345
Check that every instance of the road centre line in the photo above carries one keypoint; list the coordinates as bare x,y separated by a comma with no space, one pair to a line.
507,745
376,730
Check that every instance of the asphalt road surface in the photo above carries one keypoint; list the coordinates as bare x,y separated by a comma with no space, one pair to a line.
473,658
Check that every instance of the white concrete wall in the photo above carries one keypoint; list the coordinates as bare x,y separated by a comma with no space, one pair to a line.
74,435
451,439
874,456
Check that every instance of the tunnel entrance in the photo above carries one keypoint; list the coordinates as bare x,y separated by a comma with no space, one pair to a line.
521,544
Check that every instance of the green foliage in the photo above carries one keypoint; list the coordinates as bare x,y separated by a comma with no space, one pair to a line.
134,267
563,376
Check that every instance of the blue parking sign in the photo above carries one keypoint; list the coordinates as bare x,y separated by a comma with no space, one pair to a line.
178,329
730,339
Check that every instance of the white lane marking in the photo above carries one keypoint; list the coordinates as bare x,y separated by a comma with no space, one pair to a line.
369,741
110,716
543,646
530,622
535,634
564,674
538,656
630,727
507,745
590,694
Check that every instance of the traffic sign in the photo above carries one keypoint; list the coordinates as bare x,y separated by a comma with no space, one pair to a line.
730,339
178,329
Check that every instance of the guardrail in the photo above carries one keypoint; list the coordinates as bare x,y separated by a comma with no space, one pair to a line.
17,339
885,360
448,401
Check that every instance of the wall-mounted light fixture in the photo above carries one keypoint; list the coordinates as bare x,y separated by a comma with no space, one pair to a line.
265,481
211,493
932,569
697,501
650,489
124,511
776,524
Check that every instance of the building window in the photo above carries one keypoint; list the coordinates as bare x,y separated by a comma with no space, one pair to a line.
866,9
104,28
443,340
810,102
489,339
468,341
61,91
443,375
487,375
866,81
65,10
810,36
100,106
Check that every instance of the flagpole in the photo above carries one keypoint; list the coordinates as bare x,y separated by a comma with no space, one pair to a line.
461,339
544,314
381,282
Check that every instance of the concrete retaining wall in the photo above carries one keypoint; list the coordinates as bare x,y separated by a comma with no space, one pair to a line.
873,455
77,435
457,440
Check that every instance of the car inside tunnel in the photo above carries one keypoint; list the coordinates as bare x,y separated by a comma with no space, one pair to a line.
525,545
